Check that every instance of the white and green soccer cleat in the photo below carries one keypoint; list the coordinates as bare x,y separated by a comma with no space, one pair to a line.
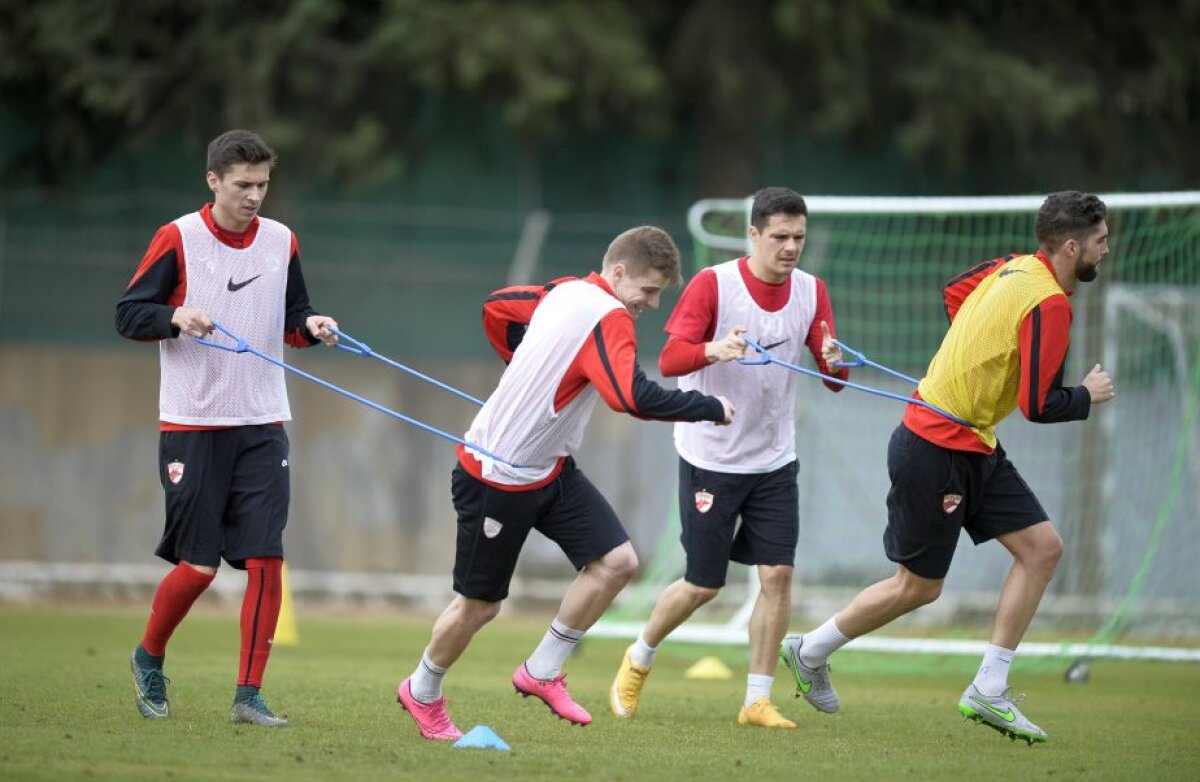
811,683
999,712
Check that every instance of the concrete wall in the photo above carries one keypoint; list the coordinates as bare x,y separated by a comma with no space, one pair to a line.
78,481
78,462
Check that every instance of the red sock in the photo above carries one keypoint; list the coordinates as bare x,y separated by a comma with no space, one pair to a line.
260,612
172,601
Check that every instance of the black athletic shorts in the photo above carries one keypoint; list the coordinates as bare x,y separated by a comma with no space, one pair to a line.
937,491
493,525
709,506
227,493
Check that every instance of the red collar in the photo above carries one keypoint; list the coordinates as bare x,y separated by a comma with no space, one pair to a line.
595,279
239,240
1041,256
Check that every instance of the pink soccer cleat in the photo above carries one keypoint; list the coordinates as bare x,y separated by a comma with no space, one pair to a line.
553,693
431,718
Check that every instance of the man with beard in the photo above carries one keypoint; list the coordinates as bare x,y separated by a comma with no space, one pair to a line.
1009,331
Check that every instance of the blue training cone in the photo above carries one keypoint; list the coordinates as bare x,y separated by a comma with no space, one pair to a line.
481,737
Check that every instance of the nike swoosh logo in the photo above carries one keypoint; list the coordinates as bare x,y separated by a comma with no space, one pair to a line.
237,286
1007,716
1012,271
775,344
805,687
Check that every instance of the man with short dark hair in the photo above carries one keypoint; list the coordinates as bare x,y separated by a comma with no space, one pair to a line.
747,470
223,453
567,344
1009,331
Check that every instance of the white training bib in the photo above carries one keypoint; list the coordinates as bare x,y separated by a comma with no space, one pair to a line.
245,290
518,422
762,436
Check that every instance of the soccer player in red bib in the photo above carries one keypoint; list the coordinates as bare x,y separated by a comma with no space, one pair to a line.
223,452
1010,323
568,345
747,470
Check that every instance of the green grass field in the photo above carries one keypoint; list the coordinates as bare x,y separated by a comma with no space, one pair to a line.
66,711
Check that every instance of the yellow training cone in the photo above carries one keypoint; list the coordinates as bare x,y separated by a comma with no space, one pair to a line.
708,668
285,628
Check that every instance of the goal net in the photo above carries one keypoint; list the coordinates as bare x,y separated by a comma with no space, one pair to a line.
1123,488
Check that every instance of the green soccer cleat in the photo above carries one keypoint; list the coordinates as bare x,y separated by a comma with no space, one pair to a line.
149,685
248,706
811,683
999,712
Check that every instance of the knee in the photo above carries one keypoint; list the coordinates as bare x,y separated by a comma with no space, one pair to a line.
917,592
1044,559
775,581
207,570
493,610
477,613
699,595
619,566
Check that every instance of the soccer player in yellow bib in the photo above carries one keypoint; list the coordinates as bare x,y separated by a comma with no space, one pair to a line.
1006,346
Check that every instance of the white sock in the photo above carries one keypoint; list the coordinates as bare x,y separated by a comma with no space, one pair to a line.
821,643
426,681
547,659
757,686
642,653
992,678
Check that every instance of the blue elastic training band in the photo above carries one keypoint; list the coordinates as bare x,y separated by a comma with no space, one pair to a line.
862,361
241,346
362,349
765,357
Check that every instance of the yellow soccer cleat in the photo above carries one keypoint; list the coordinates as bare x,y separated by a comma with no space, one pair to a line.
626,689
763,714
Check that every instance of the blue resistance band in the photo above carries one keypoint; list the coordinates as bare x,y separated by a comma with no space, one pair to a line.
242,346
764,357
363,349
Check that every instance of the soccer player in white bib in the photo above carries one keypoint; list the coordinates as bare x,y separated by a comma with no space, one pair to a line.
569,344
748,469
223,452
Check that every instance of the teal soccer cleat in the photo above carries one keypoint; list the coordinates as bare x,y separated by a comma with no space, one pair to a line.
249,707
149,685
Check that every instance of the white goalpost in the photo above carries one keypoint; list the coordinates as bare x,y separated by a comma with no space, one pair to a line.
1123,490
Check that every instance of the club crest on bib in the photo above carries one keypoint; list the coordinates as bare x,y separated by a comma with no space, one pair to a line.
704,501
950,502
491,527
175,472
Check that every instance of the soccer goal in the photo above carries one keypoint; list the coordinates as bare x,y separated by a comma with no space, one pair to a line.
1122,488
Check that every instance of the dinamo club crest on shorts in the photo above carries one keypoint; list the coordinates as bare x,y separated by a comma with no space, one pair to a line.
950,502
704,501
175,472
